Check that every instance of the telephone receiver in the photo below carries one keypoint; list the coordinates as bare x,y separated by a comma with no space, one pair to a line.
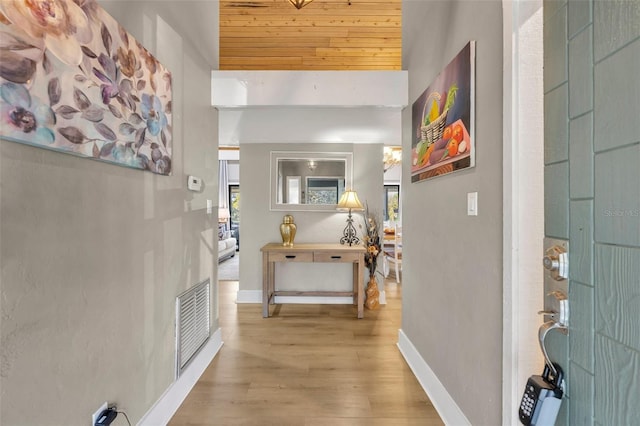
542,397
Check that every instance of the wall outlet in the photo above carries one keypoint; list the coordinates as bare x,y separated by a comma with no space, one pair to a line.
95,415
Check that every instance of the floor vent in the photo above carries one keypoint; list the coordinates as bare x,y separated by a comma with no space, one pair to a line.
192,323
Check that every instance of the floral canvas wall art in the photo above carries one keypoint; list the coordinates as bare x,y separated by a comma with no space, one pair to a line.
443,120
73,80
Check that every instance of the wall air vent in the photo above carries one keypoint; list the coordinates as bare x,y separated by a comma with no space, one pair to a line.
193,313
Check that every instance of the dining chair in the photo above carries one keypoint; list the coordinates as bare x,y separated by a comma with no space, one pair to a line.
393,254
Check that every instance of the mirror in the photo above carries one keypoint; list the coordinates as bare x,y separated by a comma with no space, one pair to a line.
311,181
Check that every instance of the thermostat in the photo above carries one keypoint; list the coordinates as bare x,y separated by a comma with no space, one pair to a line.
194,183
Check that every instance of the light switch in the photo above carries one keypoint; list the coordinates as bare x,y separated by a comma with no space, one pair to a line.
209,206
472,204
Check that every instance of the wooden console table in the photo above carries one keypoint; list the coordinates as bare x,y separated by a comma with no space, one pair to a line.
332,253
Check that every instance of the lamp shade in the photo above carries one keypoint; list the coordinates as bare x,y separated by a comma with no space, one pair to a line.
349,201
223,214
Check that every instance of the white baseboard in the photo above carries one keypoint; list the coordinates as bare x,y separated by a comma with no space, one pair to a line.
444,404
249,296
383,298
167,405
255,296
315,300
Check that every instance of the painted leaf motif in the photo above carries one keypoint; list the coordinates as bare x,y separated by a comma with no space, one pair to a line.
72,134
126,129
105,131
163,138
126,85
109,67
135,118
167,109
144,161
80,78
135,98
156,155
123,35
81,100
16,68
93,113
139,73
152,81
88,52
86,66
10,42
66,111
115,111
106,38
106,149
46,63
54,91
167,81
141,84
125,102
95,151
140,135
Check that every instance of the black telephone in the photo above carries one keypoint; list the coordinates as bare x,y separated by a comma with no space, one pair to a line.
542,398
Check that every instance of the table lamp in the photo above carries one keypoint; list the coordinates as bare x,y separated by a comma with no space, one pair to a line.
349,201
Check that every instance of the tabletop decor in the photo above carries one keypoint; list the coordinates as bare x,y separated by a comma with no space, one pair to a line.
73,80
371,241
349,201
288,230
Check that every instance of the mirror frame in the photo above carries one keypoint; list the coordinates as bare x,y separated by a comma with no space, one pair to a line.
300,155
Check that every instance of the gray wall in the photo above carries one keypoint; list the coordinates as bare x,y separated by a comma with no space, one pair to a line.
93,254
261,226
592,198
452,267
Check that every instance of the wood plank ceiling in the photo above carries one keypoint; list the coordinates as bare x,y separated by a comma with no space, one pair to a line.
324,35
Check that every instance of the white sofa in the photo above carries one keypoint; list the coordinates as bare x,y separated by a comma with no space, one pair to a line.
226,247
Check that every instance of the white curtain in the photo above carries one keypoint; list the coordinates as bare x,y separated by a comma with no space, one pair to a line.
223,196
223,179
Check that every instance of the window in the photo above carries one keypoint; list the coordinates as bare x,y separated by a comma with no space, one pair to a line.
391,207
324,190
234,204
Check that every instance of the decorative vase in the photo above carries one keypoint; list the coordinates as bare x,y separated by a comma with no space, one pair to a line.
288,230
373,294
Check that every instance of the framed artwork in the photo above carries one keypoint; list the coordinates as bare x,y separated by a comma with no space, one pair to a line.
73,80
443,120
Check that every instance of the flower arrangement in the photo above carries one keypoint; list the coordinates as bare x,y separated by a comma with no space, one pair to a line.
371,240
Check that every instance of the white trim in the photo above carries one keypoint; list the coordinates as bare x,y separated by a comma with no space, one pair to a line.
167,405
444,404
249,296
255,296
383,297
315,300
523,186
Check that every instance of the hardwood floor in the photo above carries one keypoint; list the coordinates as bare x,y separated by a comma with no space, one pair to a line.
308,365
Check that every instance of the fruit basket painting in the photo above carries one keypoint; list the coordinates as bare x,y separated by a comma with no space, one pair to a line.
442,140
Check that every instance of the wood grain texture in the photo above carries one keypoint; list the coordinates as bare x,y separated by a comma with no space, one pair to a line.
616,383
308,365
618,294
325,35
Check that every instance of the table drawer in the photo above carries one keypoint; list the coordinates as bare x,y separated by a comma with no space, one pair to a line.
291,256
335,257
